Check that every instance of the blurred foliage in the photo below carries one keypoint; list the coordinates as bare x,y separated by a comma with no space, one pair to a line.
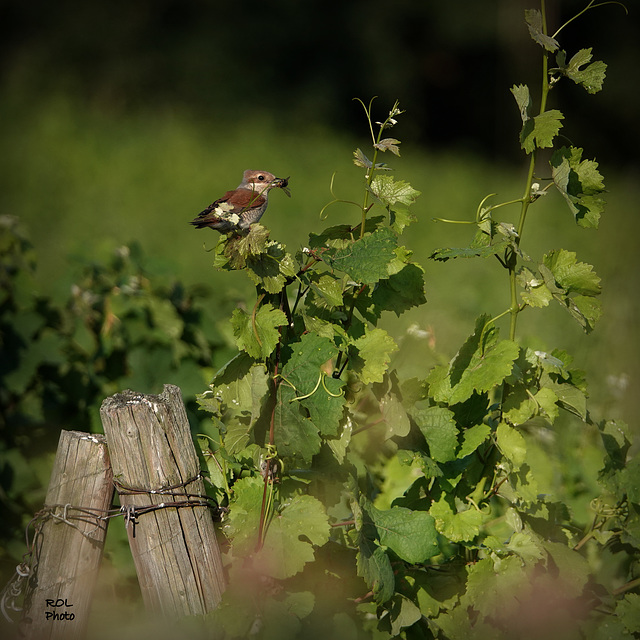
305,62
120,326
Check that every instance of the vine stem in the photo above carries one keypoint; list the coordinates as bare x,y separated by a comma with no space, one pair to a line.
267,496
526,196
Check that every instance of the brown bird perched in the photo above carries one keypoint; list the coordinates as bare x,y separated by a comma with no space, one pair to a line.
238,209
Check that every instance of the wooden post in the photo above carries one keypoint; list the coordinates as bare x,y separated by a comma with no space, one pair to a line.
68,543
174,549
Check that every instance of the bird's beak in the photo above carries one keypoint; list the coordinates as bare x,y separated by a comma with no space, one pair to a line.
282,183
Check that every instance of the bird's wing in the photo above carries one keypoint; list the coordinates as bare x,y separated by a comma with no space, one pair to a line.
240,199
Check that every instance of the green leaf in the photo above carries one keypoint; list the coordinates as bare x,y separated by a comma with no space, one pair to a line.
591,77
540,131
296,437
527,545
580,183
497,246
372,355
436,591
361,160
291,535
402,613
519,405
320,394
457,527
411,535
400,291
389,144
523,100
374,566
628,610
258,334
536,293
400,218
512,444
548,402
574,570
271,269
241,526
629,479
497,590
340,445
439,429
570,398
366,260
564,276
391,191
329,289
533,19
472,438
391,406
483,362
238,388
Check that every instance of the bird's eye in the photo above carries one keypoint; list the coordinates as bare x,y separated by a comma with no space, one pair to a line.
260,177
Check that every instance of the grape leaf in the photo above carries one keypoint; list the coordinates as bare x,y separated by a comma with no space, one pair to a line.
372,354
411,535
482,362
536,293
439,429
258,334
391,406
400,218
457,527
389,144
296,437
497,590
574,570
374,566
391,191
564,276
548,402
472,251
271,268
628,610
320,394
539,132
523,100
570,398
239,386
400,291
361,160
580,183
472,438
291,534
591,77
366,260
402,613
527,545
512,444
244,514
629,479
329,289
518,406
533,18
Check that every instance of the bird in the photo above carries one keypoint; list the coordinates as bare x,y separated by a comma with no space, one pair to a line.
238,209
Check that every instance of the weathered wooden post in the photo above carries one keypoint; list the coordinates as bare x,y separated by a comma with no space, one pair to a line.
69,539
155,463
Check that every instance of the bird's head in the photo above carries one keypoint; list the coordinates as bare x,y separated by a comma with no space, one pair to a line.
262,181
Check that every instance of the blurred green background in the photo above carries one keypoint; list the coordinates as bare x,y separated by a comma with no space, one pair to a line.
120,121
